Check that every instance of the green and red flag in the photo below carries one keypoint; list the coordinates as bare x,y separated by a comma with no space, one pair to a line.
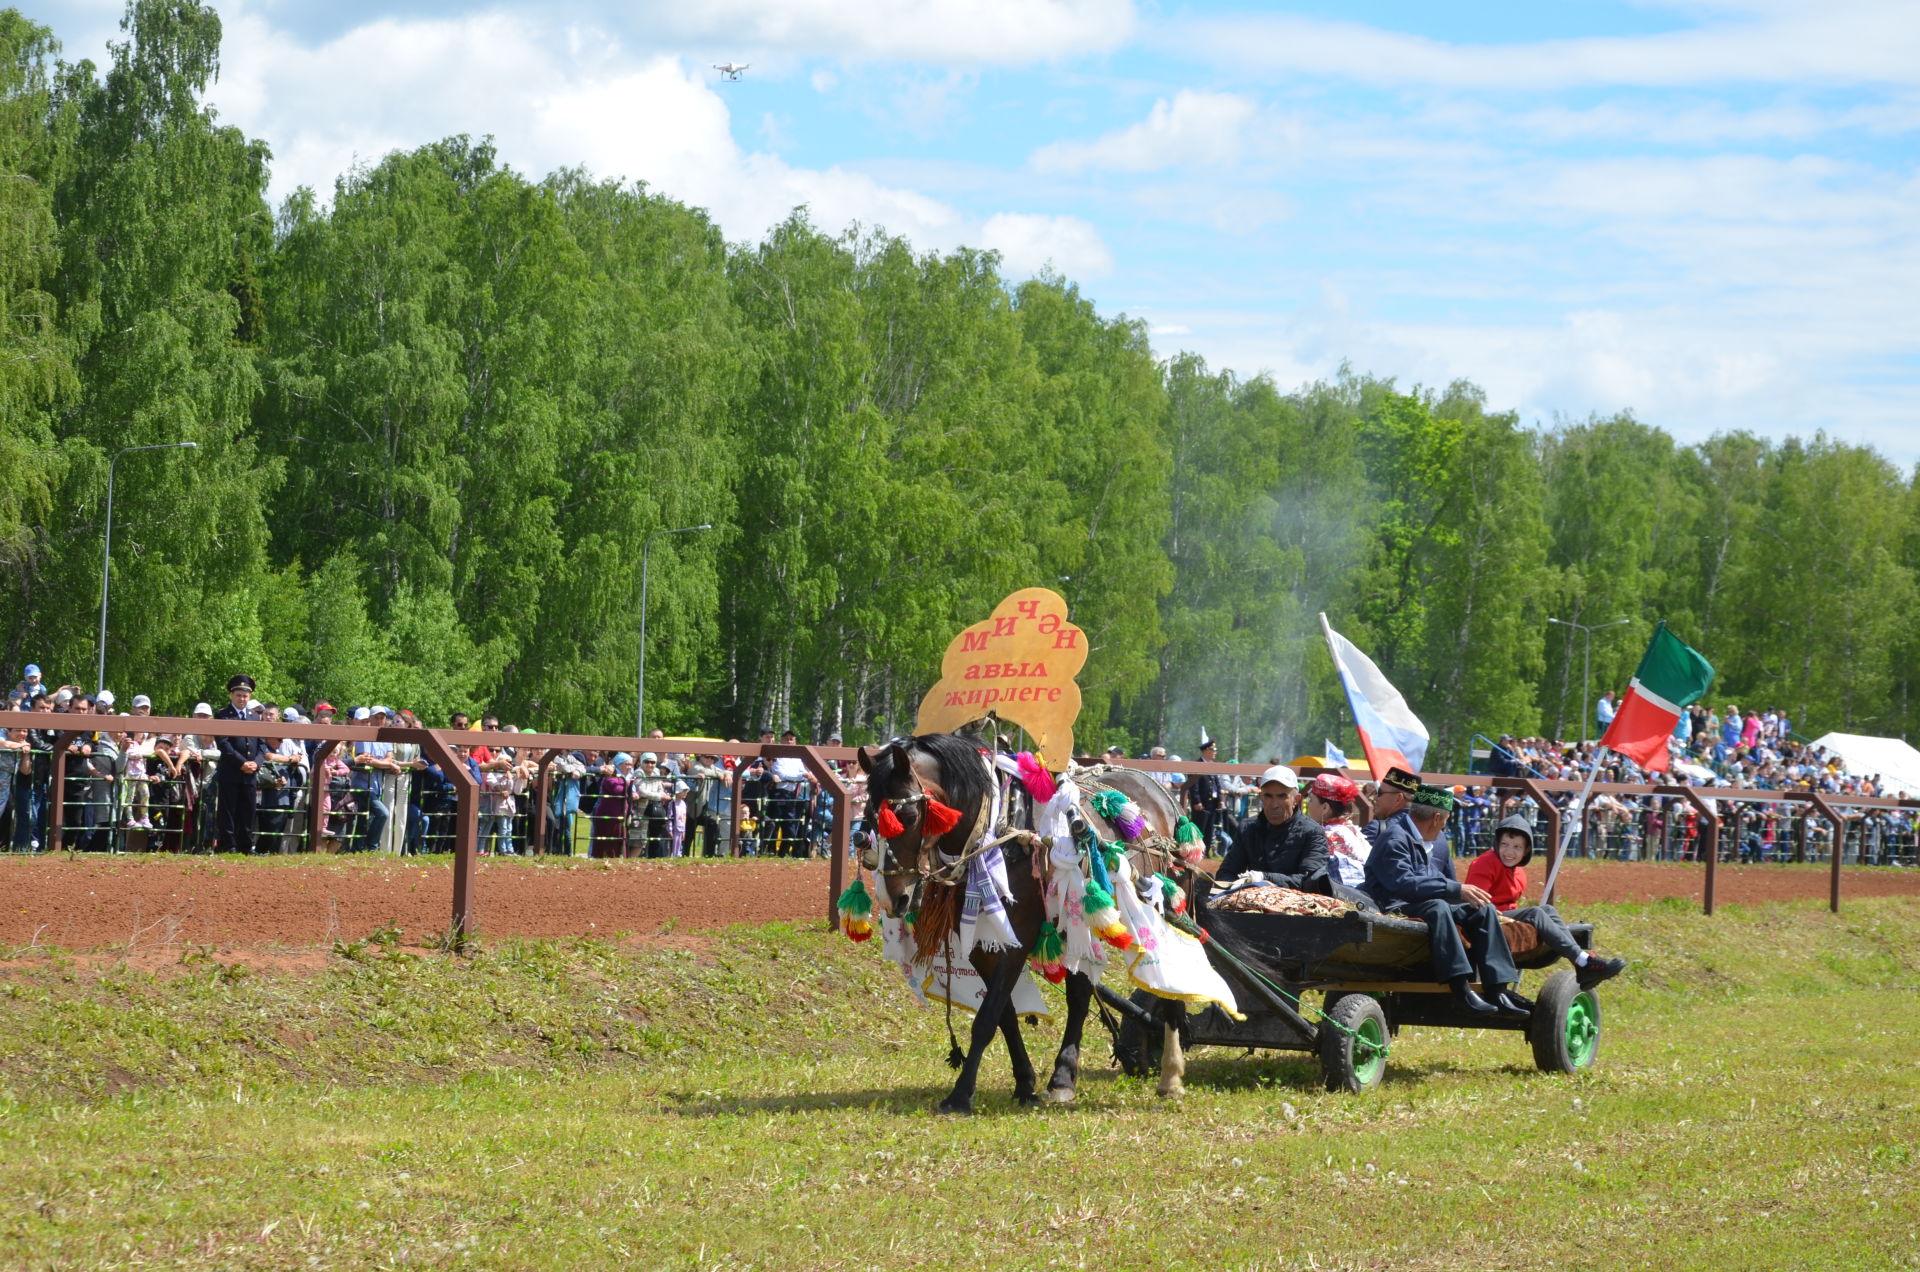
1672,676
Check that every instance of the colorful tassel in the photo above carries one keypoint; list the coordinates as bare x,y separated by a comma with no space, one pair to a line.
888,822
1175,895
1104,919
1191,843
1034,776
939,819
1122,813
856,911
1048,951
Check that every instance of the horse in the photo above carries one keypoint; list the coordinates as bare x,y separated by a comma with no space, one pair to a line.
915,875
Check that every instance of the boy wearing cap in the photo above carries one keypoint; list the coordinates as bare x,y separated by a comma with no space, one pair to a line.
1501,871
1279,845
1402,878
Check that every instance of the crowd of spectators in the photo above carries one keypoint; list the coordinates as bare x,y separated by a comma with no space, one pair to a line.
127,787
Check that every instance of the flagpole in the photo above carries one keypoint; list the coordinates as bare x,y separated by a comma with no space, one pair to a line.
1569,826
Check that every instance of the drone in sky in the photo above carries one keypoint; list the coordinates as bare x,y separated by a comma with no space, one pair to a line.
730,70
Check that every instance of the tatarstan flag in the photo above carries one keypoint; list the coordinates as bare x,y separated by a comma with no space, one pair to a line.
1672,676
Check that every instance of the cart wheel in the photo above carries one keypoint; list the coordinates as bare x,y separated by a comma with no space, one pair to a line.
1565,1029
1353,1043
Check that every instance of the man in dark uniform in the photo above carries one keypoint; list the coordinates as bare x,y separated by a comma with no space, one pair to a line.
1280,845
234,773
1402,878
1397,790
1204,800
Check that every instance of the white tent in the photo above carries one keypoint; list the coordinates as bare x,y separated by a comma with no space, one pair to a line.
1897,763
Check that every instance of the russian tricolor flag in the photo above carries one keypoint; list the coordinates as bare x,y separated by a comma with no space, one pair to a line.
1390,733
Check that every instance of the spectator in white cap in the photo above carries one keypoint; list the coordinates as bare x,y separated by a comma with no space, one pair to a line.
1279,845
142,705
372,762
104,698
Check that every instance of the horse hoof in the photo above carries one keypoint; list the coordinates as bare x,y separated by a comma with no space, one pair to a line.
952,1109
1060,1095
1172,1092
1028,1101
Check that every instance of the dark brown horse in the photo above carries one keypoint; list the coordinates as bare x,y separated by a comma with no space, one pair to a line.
918,875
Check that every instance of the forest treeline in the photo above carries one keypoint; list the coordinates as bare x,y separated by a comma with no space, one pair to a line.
439,408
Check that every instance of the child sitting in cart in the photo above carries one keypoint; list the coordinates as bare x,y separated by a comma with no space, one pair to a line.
1501,871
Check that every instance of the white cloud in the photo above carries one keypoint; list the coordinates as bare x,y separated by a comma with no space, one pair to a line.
1842,41
1194,128
571,97
824,81
1706,123
947,32
1027,243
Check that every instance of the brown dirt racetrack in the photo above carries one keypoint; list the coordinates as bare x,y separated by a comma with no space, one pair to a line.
154,901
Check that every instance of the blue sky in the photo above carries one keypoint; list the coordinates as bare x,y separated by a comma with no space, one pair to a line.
1707,213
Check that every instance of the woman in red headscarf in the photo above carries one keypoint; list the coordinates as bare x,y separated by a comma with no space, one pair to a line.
1330,802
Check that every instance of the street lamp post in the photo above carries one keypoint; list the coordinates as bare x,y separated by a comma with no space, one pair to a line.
1586,676
640,695
106,556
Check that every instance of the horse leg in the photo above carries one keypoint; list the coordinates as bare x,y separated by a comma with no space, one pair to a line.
1173,1062
1000,974
1066,1066
1023,1075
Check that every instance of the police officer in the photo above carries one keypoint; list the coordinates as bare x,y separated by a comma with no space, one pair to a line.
1204,797
234,773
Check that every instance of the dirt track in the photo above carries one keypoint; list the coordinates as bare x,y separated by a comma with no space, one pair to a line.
91,903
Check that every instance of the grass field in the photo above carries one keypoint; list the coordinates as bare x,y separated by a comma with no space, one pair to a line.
760,1099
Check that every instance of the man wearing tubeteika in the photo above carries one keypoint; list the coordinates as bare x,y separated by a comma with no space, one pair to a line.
1402,878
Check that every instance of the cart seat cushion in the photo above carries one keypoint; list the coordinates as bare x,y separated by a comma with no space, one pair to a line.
1266,899
1522,937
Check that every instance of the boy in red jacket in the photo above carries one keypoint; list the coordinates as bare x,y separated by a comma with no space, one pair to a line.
1500,870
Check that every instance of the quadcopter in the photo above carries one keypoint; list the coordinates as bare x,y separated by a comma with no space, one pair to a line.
730,70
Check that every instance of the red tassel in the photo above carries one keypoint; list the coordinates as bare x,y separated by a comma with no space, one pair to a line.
939,819
888,823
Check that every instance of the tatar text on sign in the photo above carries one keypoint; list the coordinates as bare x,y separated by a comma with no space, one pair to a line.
1019,664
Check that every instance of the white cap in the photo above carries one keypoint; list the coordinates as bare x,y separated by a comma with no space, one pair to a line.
383,711
361,713
202,709
1282,774
104,697
141,700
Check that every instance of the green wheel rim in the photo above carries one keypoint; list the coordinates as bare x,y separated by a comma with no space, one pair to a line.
1369,1052
1583,1029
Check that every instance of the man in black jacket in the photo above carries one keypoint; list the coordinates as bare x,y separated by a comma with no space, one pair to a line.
1204,797
235,772
1280,845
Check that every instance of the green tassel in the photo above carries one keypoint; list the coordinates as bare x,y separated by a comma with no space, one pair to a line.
855,901
1051,944
1107,804
1112,852
1096,899
1168,888
1186,832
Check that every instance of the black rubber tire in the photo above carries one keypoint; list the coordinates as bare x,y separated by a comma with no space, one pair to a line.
1344,1059
1556,1048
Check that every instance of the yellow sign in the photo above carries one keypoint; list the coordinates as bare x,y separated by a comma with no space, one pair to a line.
1019,665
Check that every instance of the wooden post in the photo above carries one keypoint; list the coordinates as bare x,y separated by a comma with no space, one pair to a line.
57,815
1552,816
842,820
1709,841
466,822
317,794
542,788
733,831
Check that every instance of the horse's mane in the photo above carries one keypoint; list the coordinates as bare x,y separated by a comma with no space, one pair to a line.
961,771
